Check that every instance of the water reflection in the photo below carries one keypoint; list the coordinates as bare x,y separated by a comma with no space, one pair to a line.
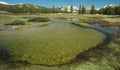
110,30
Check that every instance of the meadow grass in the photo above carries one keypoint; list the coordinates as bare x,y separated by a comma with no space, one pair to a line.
12,19
39,19
104,20
56,44
16,22
82,24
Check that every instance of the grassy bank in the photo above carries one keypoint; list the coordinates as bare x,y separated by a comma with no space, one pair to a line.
15,22
104,20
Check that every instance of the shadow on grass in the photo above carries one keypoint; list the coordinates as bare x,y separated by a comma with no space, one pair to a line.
4,54
97,53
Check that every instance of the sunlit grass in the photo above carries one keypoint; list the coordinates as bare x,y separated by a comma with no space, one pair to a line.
104,20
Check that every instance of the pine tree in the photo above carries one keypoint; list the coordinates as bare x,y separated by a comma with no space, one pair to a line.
53,9
92,11
71,8
80,9
101,11
117,10
83,10
109,11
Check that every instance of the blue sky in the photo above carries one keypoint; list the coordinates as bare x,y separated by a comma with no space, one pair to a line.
59,3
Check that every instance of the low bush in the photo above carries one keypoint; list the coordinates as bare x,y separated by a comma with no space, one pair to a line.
16,22
39,19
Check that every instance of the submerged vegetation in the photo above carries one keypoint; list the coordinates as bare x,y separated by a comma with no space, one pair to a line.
96,60
53,45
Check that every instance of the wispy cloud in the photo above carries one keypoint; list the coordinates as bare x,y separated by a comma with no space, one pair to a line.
2,2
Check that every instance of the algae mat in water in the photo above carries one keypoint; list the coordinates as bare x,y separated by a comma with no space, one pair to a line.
58,43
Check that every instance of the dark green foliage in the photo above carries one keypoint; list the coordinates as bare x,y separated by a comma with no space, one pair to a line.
16,22
110,10
39,19
92,11
71,8
4,54
80,9
101,11
117,10
83,10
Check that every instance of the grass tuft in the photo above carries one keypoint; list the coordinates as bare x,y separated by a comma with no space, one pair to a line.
16,22
39,19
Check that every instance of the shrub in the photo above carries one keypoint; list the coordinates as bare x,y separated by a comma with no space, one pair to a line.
39,19
16,22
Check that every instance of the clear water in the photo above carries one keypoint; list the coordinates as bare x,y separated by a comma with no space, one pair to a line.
59,33
109,30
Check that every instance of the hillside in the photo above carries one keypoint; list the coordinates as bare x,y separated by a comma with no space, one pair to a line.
26,8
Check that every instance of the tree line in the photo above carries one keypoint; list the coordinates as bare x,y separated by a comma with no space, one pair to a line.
110,10
106,11
29,8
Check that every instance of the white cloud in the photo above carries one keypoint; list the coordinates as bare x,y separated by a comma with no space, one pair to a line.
2,2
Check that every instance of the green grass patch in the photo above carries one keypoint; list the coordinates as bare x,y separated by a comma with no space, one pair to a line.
21,21
82,24
39,19
16,22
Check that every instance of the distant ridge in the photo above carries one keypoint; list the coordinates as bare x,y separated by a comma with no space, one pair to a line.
27,8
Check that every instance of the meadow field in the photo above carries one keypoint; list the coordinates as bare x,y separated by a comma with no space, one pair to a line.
58,43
